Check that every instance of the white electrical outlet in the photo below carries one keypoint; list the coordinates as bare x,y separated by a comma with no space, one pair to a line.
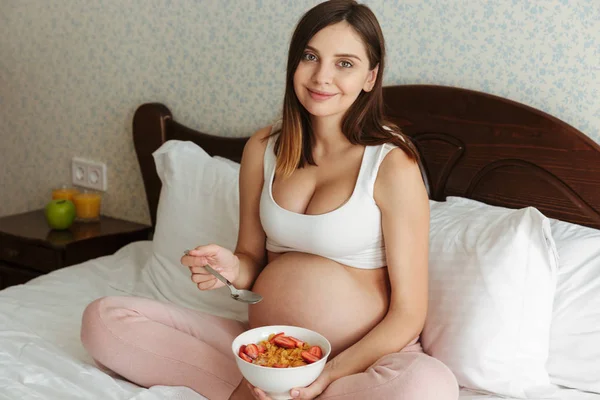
88,174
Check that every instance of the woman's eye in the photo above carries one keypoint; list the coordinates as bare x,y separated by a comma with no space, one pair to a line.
346,64
309,57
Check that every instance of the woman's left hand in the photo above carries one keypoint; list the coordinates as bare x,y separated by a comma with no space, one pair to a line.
305,393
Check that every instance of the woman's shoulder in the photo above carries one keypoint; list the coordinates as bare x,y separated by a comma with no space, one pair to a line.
396,158
258,141
261,135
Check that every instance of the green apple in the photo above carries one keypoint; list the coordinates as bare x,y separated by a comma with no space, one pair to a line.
60,213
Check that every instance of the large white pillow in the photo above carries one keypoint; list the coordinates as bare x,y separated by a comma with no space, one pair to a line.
198,204
492,281
574,356
575,333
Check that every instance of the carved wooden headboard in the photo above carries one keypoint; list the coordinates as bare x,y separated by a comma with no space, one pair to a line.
473,145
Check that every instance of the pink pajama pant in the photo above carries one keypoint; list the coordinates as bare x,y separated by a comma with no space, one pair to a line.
153,343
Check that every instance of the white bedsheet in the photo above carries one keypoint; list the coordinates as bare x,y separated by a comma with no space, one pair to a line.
41,355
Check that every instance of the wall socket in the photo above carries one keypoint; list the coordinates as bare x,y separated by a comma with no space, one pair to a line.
88,174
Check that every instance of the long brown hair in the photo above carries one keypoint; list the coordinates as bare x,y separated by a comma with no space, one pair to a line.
364,121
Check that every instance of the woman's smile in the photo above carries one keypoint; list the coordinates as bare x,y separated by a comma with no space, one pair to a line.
318,95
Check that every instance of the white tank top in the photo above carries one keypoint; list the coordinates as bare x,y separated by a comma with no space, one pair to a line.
351,234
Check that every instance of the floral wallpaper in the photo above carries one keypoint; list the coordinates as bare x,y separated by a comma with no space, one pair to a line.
73,72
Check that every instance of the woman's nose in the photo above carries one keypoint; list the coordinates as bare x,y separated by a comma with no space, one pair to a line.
323,74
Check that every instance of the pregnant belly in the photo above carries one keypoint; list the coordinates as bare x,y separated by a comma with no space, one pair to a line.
313,292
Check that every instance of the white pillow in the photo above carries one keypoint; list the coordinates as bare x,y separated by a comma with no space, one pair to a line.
229,162
574,355
198,204
492,281
575,332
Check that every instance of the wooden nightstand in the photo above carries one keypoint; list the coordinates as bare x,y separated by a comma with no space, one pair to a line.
29,248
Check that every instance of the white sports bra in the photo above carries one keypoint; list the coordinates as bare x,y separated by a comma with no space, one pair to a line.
351,234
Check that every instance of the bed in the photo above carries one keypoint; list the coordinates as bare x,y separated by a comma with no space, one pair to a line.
473,145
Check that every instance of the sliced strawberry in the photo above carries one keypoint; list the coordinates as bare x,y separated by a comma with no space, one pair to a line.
261,348
299,343
279,366
308,357
252,351
316,351
244,357
273,338
285,342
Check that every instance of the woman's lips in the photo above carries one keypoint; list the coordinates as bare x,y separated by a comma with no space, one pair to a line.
317,95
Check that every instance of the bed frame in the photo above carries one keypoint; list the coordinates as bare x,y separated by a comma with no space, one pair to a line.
473,145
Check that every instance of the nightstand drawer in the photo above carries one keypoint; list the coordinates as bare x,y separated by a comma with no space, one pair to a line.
11,275
29,255
28,247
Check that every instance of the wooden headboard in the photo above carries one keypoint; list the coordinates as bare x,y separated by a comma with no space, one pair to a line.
473,145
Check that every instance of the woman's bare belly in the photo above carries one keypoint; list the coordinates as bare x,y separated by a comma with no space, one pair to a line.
340,302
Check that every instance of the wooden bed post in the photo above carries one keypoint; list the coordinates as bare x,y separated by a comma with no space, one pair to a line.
149,133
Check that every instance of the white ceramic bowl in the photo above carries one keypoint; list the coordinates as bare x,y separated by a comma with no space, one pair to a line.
277,382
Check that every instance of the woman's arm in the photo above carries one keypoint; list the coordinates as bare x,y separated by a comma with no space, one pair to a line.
402,198
243,266
250,248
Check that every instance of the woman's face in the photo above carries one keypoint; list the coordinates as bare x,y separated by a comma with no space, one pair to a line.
333,71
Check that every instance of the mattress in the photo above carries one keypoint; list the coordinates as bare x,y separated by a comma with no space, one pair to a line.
41,355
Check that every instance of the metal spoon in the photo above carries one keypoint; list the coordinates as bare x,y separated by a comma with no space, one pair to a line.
242,295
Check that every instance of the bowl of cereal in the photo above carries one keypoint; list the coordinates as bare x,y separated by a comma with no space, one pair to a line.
278,358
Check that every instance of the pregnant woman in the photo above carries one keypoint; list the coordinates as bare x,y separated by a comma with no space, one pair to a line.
334,224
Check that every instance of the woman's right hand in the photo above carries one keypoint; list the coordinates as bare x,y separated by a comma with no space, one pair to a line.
219,258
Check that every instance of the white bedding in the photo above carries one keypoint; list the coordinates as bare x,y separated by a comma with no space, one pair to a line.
41,356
